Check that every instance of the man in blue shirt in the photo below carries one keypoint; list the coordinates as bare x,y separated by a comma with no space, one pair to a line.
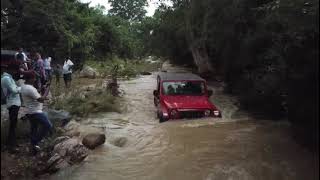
11,92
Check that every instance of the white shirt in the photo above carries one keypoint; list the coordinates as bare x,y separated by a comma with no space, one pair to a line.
24,59
30,96
47,63
67,64
24,56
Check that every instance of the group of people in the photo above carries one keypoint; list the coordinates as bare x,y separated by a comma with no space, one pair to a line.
43,69
37,74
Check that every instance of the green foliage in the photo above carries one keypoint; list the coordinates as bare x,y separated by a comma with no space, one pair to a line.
254,45
128,9
95,101
168,39
128,69
65,28
263,49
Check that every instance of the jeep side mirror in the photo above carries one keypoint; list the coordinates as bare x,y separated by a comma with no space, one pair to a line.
155,93
210,92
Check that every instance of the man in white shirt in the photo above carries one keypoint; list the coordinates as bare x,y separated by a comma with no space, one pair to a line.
11,92
47,68
21,56
67,72
34,104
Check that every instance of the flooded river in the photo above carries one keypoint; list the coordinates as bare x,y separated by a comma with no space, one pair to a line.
236,147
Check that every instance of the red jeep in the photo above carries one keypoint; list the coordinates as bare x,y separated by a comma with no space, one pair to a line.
183,95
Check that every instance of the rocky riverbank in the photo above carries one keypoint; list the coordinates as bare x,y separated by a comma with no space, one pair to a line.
69,144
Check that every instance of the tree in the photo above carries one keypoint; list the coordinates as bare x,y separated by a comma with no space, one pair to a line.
266,51
128,9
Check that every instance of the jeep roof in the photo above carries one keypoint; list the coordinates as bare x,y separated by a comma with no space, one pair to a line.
166,76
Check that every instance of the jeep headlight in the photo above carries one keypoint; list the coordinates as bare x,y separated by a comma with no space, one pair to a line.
207,113
216,113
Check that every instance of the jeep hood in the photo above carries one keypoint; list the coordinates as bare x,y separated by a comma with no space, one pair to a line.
187,102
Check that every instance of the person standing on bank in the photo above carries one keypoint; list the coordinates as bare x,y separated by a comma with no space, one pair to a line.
57,72
34,104
23,58
11,92
47,68
40,72
67,72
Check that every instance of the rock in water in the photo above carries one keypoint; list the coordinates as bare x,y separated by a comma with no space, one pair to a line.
88,72
59,117
120,142
76,129
146,73
94,140
71,150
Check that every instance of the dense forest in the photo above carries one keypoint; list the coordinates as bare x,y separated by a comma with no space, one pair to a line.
64,28
265,51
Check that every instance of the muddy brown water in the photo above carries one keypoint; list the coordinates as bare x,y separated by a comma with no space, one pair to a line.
236,147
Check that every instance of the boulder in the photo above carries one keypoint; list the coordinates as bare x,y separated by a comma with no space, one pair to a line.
145,73
59,117
59,130
88,72
120,141
73,133
71,126
60,139
71,150
94,140
72,129
56,162
76,129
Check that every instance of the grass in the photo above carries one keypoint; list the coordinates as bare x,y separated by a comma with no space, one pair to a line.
81,103
84,97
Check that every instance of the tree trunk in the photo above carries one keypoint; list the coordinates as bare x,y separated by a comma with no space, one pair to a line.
201,59
197,36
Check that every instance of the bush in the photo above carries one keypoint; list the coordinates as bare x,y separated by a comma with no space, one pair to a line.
82,103
123,68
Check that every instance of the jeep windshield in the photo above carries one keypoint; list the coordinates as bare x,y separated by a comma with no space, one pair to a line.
193,88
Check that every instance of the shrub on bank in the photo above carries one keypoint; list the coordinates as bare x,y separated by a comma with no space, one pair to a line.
124,68
82,103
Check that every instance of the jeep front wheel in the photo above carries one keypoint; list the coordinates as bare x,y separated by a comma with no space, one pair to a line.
161,118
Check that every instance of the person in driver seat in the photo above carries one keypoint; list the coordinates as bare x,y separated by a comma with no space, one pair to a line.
170,90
